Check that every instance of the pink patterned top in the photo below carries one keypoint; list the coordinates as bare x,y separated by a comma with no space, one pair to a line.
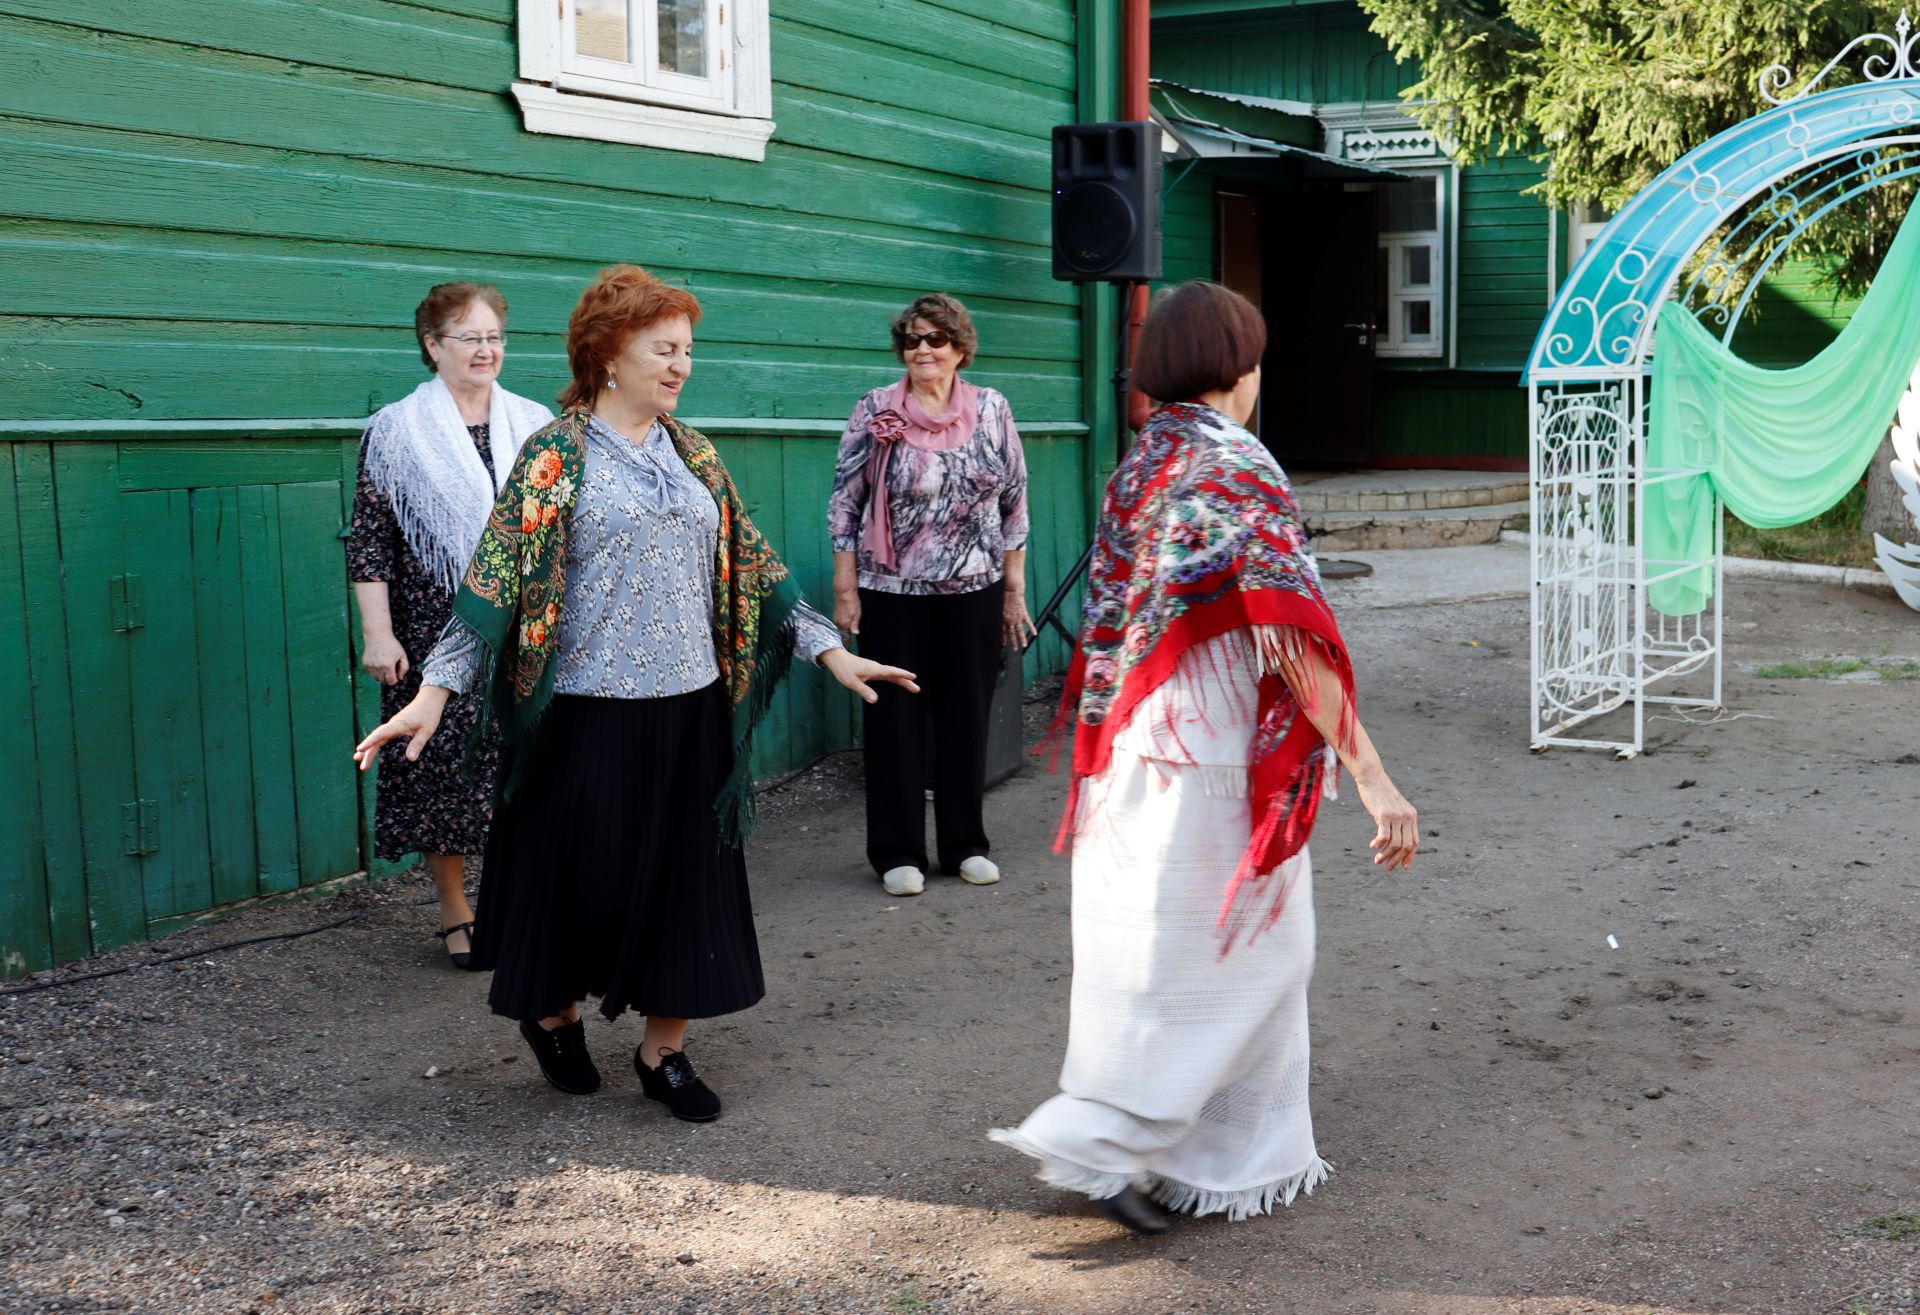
955,514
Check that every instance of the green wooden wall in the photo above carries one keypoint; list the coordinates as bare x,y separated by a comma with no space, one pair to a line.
1317,53
217,220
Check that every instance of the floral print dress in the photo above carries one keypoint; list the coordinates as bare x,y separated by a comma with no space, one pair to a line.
431,805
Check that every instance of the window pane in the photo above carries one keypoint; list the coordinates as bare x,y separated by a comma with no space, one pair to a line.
1418,321
1413,206
600,29
683,37
1592,212
1419,267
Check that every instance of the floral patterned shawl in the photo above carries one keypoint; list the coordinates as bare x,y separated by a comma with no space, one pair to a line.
516,586
1199,536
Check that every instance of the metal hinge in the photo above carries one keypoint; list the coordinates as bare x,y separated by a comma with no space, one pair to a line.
140,826
127,602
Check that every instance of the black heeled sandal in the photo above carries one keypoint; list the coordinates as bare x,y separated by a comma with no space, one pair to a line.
464,958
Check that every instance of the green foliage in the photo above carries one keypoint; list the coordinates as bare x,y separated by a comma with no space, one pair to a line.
1833,538
1893,1227
1607,93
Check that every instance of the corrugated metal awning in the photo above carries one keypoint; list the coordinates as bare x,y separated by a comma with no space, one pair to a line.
1197,136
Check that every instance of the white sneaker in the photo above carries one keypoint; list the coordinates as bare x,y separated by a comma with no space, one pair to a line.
979,871
908,881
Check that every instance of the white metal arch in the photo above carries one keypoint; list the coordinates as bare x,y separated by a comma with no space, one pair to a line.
1597,647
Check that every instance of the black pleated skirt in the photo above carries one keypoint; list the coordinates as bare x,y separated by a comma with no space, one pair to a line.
604,874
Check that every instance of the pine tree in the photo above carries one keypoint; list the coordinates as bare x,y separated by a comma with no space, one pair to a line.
1607,93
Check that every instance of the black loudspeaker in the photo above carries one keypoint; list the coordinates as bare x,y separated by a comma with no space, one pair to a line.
1106,202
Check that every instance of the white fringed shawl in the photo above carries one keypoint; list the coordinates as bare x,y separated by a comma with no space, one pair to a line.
419,454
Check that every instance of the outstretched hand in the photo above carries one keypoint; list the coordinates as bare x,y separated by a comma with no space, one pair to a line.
417,722
857,673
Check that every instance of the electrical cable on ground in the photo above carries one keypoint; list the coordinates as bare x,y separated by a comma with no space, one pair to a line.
208,949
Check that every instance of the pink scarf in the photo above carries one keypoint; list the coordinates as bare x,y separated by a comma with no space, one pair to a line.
901,416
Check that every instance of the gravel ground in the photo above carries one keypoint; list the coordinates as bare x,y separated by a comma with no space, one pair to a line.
1524,1121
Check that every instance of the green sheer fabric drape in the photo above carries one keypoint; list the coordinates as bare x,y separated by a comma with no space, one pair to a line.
1778,446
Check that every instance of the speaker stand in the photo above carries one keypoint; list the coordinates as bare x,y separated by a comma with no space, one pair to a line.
1122,386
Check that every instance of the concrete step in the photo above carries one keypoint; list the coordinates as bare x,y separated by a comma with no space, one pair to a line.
1445,527
1408,490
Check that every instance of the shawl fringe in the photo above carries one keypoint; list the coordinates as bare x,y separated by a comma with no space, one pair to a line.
1199,537
1097,1185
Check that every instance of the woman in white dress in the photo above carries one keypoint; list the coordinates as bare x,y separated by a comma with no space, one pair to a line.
1212,695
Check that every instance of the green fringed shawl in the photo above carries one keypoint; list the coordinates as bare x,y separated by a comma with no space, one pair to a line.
516,586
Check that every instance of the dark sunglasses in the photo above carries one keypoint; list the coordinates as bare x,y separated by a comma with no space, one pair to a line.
908,341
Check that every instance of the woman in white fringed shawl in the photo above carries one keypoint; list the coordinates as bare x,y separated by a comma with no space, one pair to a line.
431,466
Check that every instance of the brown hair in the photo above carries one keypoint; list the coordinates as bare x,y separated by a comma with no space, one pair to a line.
444,303
617,305
1199,338
944,313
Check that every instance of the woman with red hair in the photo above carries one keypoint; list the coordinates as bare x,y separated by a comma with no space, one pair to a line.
624,625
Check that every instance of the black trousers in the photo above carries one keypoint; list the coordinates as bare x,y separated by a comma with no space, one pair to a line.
952,642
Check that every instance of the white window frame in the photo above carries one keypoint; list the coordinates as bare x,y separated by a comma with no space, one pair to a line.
568,94
1390,340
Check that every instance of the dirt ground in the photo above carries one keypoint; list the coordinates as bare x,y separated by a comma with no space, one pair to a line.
1708,1119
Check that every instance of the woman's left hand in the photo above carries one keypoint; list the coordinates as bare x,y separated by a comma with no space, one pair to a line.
855,672
1016,627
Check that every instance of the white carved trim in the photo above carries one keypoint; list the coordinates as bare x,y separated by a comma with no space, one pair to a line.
602,118
1370,132
648,116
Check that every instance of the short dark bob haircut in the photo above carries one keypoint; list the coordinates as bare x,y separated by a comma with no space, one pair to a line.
1199,338
943,313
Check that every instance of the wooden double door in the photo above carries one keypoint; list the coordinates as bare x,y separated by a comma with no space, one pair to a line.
177,674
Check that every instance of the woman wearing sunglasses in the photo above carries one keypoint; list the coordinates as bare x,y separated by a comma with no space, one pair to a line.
929,524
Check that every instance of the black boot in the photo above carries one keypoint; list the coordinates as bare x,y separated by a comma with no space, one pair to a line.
675,1085
1130,1209
563,1056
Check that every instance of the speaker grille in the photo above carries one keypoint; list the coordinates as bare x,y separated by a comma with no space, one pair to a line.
1101,224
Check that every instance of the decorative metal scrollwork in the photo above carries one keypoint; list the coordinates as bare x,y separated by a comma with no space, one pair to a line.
1892,57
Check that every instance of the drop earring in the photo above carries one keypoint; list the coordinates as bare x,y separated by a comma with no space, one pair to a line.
611,384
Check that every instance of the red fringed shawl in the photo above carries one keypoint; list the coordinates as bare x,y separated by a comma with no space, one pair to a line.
1199,536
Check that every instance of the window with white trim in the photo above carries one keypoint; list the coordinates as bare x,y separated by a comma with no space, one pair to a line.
1412,270
690,75
1585,219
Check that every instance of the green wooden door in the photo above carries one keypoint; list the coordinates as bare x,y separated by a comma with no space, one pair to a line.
182,687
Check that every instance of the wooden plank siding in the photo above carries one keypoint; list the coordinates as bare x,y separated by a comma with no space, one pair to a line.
207,277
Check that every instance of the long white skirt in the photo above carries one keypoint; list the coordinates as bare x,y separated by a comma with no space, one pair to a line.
1186,1073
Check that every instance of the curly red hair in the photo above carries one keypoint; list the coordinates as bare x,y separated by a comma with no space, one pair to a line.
617,305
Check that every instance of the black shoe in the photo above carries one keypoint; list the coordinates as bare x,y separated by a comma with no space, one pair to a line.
463,958
675,1085
563,1056
1130,1209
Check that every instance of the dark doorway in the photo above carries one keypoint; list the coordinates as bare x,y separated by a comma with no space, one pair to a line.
1319,293
1238,219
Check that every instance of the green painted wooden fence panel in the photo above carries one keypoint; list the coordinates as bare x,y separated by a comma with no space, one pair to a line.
1450,415
91,556
163,657
264,657
219,592
56,753
319,680
25,937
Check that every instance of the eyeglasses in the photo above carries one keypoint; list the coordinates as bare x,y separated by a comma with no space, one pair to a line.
937,338
474,341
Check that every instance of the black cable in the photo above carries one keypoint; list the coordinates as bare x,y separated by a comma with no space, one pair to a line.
209,949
